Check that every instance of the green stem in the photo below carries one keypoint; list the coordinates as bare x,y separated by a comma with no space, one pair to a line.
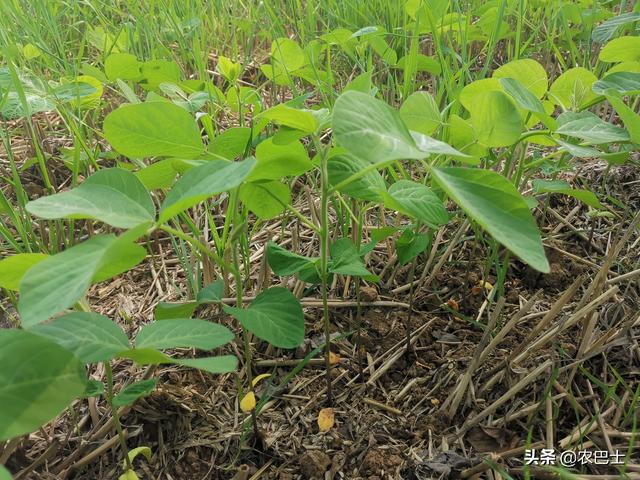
116,417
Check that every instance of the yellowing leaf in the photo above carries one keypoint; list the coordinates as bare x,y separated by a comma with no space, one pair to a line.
334,358
486,285
129,475
325,419
259,378
248,402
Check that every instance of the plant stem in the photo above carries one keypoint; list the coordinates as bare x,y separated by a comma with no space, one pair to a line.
116,417
324,262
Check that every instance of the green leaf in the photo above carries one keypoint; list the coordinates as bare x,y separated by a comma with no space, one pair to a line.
60,280
91,337
286,58
626,83
203,182
157,175
135,391
572,89
212,293
165,310
94,388
153,129
622,49
472,91
558,186
278,161
523,97
417,201
496,120
368,187
123,66
285,263
420,113
291,117
146,356
371,130
430,145
38,380
13,268
529,73
4,473
275,316
231,143
133,453
607,29
155,72
630,118
266,200
589,127
411,244
183,333
215,365
113,196
346,260
495,204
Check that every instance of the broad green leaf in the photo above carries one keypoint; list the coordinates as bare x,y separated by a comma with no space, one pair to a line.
417,201
430,145
121,254
291,117
94,388
346,260
372,130
91,337
153,129
607,29
113,196
60,280
286,57
146,356
38,380
463,137
202,182
168,310
123,66
495,204
266,200
420,113
4,473
275,316
529,73
368,187
423,63
284,263
13,268
579,150
625,83
496,120
589,127
411,244
622,49
215,365
231,143
523,97
472,91
630,118
183,333
573,88
135,391
212,293
157,175
278,161
229,69
155,72
558,186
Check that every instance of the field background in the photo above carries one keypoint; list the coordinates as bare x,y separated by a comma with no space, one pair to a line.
573,331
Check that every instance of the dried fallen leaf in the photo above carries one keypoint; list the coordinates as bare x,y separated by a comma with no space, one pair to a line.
259,378
435,402
475,291
325,419
451,303
334,358
248,402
